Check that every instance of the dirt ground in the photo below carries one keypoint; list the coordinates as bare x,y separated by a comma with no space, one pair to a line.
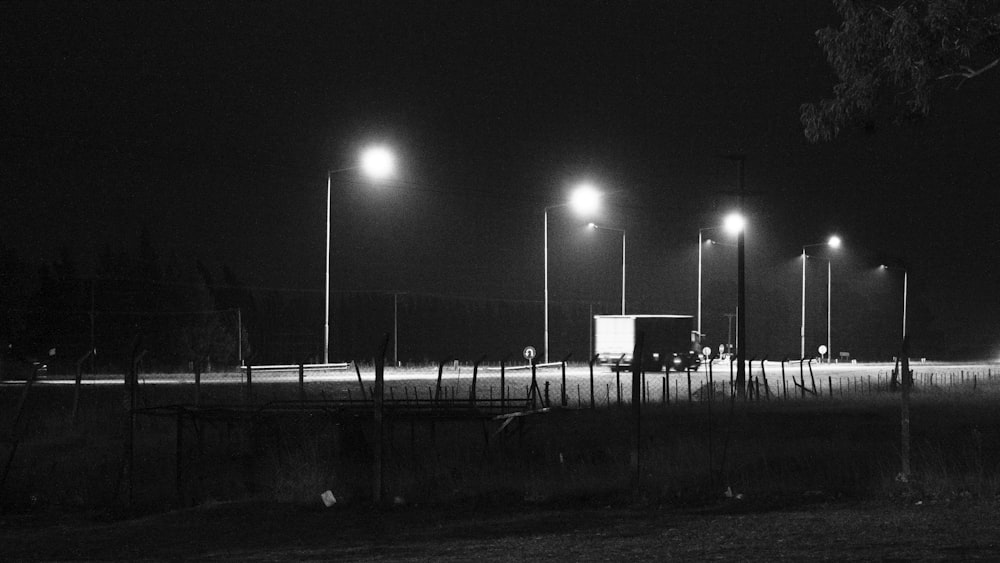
893,531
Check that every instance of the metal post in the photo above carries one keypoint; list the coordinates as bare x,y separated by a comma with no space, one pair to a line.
802,329
829,310
623,271
395,330
326,308
905,280
93,346
699,282
239,333
741,308
546,239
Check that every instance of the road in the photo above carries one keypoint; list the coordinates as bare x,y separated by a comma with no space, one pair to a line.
461,374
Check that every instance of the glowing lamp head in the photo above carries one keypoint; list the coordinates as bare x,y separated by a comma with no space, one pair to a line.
591,225
734,223
585,199
834,242
378,163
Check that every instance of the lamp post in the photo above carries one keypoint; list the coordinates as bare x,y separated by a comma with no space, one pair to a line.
832,242
622,231
905,282
377,163
701,245
583,200
735,224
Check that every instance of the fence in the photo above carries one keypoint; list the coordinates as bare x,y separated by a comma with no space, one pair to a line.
233,434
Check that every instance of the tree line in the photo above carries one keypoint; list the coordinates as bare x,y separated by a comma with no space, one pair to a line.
169,312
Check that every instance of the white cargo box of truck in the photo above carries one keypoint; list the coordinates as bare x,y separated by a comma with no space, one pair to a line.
667,340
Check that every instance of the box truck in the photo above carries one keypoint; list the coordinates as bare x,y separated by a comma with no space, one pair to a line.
669,341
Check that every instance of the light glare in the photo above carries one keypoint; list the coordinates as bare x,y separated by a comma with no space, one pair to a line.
585,199
378,163
834,242
734,223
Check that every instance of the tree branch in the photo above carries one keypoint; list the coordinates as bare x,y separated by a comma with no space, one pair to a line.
968,72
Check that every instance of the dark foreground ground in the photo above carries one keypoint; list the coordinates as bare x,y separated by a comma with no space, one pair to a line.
894,530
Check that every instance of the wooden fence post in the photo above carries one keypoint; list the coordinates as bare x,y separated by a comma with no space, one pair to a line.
361,384
302,382
688,370
378,396
592,360
562,399
197,382
503,385
905,376
636,410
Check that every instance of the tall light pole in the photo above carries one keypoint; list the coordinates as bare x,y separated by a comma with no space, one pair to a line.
735,224
377,163
622,231
583,200
906,274
832,242
701,245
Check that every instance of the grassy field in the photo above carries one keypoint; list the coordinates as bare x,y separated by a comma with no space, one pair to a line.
775,451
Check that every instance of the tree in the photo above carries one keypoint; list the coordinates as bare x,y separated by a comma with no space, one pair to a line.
891,60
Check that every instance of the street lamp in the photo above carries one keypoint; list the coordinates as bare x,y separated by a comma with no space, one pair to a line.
701,245
622,231
734,224
378,163
905,281
584,200
832,242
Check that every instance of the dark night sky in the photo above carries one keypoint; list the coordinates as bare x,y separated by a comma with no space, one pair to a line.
213,125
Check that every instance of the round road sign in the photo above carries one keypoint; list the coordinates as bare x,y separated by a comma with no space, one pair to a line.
529,352
822,349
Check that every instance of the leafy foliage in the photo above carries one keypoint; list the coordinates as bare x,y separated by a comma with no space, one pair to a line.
894,59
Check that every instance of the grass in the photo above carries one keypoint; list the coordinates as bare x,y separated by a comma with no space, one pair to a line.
769,451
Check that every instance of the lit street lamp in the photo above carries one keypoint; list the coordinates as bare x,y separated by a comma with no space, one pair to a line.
377,163
622,231
832,242
584,200
735,224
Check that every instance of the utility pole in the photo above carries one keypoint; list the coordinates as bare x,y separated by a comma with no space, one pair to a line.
729,333
741,297
93,345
